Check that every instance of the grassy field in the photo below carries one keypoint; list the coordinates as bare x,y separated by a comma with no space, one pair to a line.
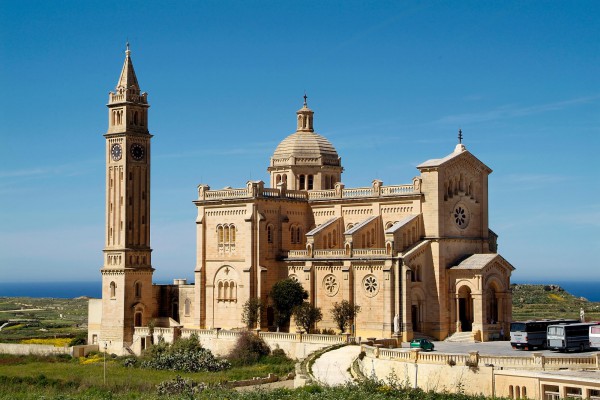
33,318
62,375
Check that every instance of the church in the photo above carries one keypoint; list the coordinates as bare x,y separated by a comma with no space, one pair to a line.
419,258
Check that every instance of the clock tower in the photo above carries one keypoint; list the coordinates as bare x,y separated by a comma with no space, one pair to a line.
127,294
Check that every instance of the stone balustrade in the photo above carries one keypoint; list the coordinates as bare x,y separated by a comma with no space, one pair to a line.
330,253
535,361
257,189
368,252
333,253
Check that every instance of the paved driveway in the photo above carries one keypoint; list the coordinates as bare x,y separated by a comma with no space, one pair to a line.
332,367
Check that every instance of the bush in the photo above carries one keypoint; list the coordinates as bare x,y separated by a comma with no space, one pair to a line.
183,355
179,386
248,349
78,340
129,362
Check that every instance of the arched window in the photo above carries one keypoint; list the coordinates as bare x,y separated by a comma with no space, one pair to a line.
511,392
368,239
226,238
372,236
278,179
226,291
524,392
138,289
310,182
298,235
269,234
113,290
232,234
186,307
232,291
220,292
302,179
284,178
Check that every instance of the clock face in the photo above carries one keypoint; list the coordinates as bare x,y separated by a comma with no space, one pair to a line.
116,152
137,152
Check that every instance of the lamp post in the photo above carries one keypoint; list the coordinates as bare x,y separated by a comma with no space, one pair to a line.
105,348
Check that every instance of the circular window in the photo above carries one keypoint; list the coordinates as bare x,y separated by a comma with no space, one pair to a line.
294,278
331,285
371,285
460,216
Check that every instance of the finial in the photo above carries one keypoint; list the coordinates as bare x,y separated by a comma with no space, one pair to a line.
460,136
127,51
305,97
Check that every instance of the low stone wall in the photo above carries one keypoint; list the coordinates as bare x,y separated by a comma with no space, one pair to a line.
535,361
45,350
295,345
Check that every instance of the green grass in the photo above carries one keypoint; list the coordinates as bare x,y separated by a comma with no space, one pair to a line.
51,376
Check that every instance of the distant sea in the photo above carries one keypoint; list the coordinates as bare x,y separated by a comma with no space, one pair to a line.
67,290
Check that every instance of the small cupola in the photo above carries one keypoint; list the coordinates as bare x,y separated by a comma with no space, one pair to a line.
305,118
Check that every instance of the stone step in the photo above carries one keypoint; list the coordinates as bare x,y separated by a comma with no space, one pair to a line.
462,337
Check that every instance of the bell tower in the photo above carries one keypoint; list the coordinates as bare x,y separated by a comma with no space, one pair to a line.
127,296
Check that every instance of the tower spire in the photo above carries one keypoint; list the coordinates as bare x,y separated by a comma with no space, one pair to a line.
128,79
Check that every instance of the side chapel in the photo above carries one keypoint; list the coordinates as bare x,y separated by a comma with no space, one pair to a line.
418,258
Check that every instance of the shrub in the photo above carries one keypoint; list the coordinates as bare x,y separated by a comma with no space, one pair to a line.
248,349
78,340
179,386
183,355
130,362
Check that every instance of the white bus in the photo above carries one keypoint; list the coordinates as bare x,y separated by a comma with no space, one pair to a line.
595,336
570,337
532,334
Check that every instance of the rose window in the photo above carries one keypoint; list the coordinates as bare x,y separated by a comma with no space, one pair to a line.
331,285
461,216
371,285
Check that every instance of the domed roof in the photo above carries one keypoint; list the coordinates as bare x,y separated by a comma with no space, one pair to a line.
306,145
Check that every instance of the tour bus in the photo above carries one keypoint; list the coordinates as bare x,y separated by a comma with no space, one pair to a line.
570,337
595,336
530,334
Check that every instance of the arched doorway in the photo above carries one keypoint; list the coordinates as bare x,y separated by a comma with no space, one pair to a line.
465,308
492,305
138,318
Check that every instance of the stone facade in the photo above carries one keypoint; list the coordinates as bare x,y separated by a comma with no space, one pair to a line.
417,257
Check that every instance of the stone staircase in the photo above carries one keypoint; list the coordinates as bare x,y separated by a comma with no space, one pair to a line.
461,337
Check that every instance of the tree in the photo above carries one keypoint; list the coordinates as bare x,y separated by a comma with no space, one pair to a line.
251,312
343,313
286,295
306,316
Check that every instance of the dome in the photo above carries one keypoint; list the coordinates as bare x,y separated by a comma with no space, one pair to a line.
307,145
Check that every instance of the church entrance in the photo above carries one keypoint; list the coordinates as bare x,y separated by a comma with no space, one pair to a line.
415,318
465,309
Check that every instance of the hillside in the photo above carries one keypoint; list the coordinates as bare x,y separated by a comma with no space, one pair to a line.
550,301
27,317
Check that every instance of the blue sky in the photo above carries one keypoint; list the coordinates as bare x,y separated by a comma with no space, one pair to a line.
390,84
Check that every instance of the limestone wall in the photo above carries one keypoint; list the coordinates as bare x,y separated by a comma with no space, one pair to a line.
45,350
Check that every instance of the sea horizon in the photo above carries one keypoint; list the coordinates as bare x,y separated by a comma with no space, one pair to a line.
93,289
